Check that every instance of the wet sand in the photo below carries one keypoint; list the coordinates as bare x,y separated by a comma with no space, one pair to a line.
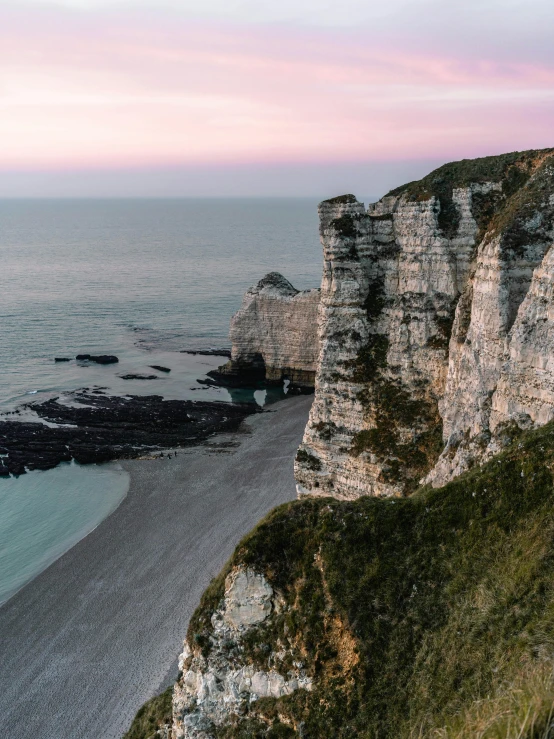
96,634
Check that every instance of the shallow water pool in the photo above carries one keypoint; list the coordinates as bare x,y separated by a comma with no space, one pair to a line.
43,514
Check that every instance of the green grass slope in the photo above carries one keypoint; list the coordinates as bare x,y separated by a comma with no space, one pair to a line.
153,715
426,616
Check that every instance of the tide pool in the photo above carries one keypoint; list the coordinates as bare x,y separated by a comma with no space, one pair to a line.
43,514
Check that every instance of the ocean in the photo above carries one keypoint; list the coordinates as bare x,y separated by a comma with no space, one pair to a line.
141,279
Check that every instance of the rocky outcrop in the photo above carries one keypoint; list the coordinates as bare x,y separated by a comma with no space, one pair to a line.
423,295
274,336
99,358
525,390
499,348
93,427
218,679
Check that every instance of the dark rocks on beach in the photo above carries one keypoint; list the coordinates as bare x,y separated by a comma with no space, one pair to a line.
62,359
98,358
160,368
138,377
300,390
239,374
104,428
208,352
254,374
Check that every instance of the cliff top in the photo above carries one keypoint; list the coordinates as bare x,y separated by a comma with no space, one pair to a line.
512,169
274,282
341,200
524,178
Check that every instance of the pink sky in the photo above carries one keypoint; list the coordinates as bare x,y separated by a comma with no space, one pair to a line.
128,88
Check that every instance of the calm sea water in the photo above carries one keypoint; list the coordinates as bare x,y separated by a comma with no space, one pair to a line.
134,277
42,514
142,279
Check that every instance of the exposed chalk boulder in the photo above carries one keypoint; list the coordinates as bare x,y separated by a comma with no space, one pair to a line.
219,680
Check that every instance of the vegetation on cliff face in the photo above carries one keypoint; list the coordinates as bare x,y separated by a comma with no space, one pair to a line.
431,615
407,431
154,715
407,434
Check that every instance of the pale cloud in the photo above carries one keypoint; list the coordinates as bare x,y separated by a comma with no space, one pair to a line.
129,84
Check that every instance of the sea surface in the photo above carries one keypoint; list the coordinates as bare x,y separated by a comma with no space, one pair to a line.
141,279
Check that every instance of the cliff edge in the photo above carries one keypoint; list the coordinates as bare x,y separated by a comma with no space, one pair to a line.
434,327
425,616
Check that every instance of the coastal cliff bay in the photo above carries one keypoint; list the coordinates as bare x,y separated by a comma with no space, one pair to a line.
408,593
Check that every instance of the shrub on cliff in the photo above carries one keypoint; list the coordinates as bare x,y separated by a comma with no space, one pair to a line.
152,716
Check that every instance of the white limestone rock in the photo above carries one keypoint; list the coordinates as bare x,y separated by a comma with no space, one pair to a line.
525,390
393,368
275,333
499,341
214,688
397,278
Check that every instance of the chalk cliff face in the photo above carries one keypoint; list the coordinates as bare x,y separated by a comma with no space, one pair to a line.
498,377
429,346
274,335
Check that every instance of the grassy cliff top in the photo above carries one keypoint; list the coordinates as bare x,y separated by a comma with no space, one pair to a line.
511,169
341,200
431,615
525,177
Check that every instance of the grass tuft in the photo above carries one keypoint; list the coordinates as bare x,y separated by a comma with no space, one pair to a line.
153,715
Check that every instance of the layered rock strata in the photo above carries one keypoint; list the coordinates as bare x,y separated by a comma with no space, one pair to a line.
218,681
498,369
273,335
423,322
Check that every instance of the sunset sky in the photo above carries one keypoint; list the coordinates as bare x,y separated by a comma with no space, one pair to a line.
258,98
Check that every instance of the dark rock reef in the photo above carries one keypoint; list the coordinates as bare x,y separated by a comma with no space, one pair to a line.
135,376
100,428
208,352
98,358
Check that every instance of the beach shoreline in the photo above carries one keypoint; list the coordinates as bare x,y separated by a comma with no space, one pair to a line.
98,632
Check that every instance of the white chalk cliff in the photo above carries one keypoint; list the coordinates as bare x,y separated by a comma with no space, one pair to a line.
273,335
435,327
431,335
218,680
